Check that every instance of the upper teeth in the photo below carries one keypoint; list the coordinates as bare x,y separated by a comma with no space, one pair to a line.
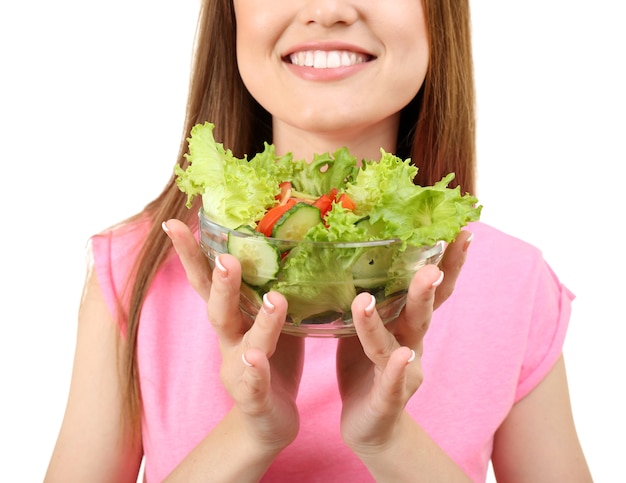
323,59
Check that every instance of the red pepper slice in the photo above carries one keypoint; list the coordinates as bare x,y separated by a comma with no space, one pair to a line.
266,225
345,201
324,204
285,192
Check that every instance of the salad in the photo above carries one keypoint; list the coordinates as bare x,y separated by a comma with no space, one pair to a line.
269,199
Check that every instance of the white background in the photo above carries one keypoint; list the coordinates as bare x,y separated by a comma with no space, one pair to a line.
91,108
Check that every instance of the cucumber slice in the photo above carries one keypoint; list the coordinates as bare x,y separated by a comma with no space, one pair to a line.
247,229
260,260
364,222
296,221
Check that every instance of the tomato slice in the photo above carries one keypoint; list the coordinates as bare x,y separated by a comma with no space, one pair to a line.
270,218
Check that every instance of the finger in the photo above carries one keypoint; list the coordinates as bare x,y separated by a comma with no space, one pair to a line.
288,361
194,261
223,307
378,343
415,317
256,381
396,385
451,264
265,331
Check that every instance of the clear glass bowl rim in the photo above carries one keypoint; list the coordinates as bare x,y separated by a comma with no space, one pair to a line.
205,221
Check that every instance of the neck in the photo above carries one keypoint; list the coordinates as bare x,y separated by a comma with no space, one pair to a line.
362,143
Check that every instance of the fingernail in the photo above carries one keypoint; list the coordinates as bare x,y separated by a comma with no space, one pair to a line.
220,267
437,282
412,357
165,228
245,361
369,310
268,306
467,242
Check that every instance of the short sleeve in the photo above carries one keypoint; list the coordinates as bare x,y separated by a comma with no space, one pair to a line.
550,317
114,253
99,248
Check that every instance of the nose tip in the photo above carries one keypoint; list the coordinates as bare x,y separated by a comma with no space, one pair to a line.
329,12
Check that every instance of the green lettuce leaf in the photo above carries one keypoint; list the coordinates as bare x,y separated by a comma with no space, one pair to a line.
206,162
234,191
304,282
279,168
420,216
376,178
246,204
340,225
324,173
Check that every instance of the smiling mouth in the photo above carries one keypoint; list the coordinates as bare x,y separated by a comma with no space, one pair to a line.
327,59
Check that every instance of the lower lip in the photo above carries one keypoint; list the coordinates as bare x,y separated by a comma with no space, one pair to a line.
326,75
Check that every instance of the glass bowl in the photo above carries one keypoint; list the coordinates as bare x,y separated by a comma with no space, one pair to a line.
318,279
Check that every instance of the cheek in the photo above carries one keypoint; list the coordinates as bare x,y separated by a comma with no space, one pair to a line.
420,62
251,70
406,42
257,34
248,54
409,65
419,55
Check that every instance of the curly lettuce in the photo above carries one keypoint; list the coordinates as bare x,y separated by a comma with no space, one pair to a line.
324,173
303,281
234,191
421,216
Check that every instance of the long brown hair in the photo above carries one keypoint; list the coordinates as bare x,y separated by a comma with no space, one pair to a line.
436,131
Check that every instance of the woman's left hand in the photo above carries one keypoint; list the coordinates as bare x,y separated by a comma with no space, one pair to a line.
380,370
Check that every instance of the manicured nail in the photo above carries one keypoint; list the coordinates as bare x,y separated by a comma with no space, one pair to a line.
412,357
268,306
467,242
220,267
437,282
165,228
369,310
245,361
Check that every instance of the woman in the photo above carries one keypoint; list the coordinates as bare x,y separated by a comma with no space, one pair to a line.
205,399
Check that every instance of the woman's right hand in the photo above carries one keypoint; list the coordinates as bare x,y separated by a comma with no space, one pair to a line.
261,369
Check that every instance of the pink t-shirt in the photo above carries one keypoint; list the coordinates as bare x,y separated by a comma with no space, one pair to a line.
487,347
